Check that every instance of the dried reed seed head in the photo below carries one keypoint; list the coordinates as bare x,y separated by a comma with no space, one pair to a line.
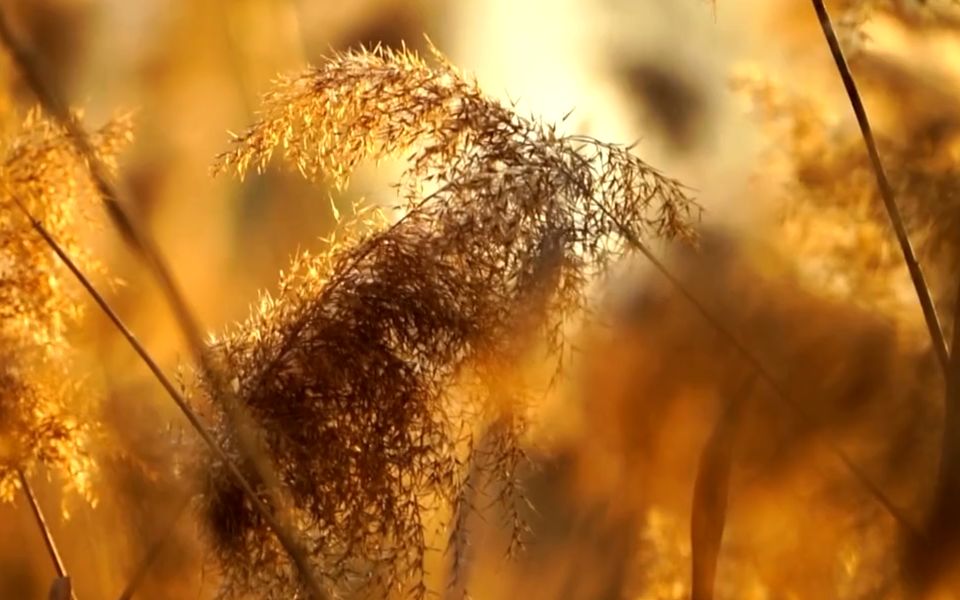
40,420
356,370
359,106
38,425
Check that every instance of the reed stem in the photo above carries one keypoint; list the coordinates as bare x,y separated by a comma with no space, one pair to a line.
886,190
46,534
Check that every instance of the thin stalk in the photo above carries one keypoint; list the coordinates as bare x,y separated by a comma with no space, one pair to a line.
45,532
48,540
292,546
886,190
924,563
139,239
710,494
133,232
926,556
949,478
153,553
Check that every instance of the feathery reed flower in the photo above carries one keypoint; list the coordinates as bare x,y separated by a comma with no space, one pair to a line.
357,371
41,169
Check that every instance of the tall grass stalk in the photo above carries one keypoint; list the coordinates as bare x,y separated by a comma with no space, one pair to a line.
710,493
886,190
48,540
928,553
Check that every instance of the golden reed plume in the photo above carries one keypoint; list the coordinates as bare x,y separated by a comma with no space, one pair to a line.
40,420
351,369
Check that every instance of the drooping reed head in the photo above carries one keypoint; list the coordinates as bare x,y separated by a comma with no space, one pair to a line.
355,369
38,303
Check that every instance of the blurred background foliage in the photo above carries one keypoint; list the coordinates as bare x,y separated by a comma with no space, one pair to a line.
739,100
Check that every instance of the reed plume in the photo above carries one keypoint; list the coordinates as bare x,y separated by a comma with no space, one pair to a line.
359,369
40,420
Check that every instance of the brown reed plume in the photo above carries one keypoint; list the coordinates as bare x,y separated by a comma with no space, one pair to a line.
38,409
357,370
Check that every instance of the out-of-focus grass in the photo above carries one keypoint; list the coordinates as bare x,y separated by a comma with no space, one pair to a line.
817,287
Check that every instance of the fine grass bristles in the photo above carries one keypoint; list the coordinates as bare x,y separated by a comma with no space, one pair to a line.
361,371
42,169
40,419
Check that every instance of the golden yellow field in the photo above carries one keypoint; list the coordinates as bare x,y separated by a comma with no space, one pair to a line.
491,299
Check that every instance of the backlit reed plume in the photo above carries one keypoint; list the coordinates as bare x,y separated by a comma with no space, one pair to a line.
40,416
356,370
